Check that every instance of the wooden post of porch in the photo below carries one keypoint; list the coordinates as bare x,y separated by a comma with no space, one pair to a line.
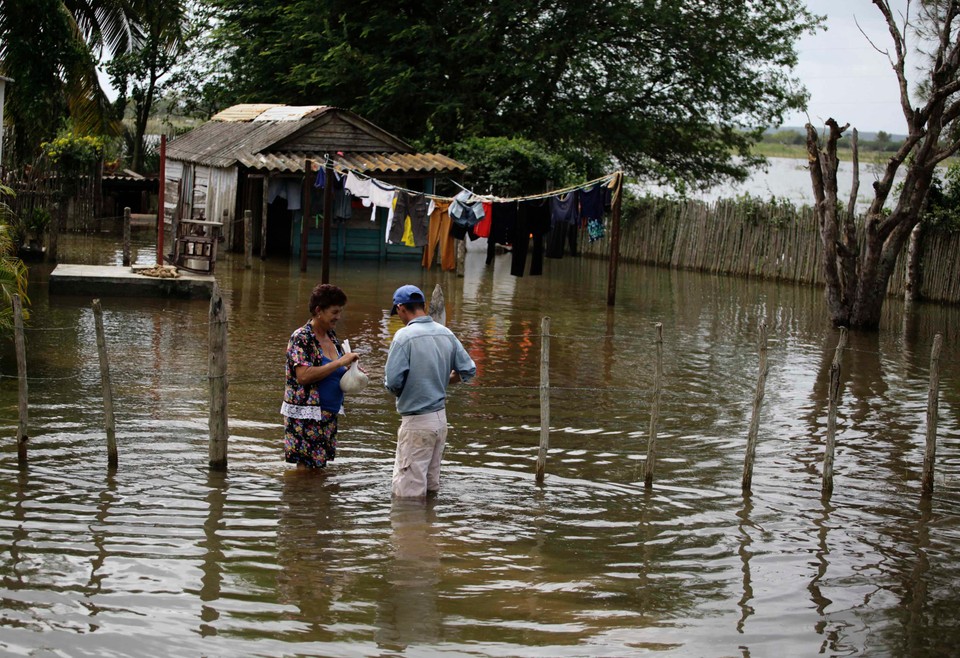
263,218
327,214
305,213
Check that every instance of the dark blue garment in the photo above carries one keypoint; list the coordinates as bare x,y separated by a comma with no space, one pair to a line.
533,219
592,202
503,223
565,209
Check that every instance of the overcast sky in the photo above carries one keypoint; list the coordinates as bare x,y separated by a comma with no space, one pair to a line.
846,77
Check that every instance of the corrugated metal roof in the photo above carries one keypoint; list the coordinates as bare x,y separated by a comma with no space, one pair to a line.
290,113
372,163
399,162
223,143
245,134
243,112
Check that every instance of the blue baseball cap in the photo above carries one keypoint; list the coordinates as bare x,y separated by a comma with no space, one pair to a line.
407,294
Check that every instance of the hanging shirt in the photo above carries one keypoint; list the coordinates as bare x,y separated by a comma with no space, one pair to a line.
356,186
465,209
482,228
592,202
564,209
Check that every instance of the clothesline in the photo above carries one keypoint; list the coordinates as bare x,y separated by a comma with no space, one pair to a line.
606,179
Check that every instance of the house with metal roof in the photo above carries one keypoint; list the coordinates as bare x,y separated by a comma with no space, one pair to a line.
254,157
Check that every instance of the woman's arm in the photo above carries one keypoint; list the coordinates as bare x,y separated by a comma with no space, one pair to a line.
310,374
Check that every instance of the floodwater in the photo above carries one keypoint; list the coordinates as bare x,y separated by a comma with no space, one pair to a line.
163,557
788,179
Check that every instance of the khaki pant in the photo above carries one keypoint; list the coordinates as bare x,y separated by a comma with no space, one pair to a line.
420,443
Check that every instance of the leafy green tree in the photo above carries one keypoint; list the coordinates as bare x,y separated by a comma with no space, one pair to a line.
512,166
51,48
674,89
142,74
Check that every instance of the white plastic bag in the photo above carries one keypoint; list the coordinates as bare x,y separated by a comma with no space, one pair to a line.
354,380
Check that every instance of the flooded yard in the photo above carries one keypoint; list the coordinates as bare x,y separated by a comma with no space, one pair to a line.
163,557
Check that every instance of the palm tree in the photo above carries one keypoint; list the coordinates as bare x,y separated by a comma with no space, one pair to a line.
51,49
13,273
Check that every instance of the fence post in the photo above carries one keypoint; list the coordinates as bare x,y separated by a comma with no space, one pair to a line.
108,420
755,414
834,398
544,398
217,374
654,412
22,408
126,237
933,393
247,239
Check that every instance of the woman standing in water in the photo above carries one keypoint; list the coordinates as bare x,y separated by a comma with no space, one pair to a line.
312,397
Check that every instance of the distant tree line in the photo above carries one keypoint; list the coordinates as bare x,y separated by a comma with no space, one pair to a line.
881,143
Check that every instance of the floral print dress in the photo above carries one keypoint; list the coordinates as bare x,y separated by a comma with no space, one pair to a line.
310,427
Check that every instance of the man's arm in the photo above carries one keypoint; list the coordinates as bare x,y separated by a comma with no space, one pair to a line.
398,365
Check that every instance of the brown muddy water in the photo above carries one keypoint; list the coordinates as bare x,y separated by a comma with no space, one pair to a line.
163,558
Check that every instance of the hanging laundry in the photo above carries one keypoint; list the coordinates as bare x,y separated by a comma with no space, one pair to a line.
592,202
439,234
564,223
381,194
276,190
533,222
407,238
465,209
294,194
414,206
482,228
595,229
503,223
356,186
564,208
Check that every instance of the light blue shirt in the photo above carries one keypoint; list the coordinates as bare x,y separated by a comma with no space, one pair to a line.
419,363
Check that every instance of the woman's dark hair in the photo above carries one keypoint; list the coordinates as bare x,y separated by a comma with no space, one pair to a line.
325,295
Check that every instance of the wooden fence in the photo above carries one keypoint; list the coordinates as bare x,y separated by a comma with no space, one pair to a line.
763,240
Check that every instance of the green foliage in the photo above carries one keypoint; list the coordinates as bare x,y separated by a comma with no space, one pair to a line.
942,207
144,74
74,152
13,273
669,90
50,48
512,166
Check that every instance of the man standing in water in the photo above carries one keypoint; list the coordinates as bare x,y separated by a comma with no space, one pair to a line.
424,358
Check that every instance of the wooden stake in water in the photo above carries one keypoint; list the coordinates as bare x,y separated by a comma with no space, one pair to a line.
438,310
22,408
108,420
247,239
654,412
217,373
126,237
834,400
755,414
544,398
933,394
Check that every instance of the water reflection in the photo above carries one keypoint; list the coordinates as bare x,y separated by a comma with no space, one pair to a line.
307,576
262,561
407,613
213,553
